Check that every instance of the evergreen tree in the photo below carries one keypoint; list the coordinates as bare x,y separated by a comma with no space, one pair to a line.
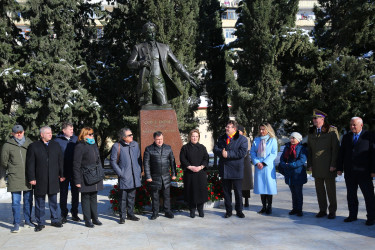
55,64
211,50
342,25
12,62
261,24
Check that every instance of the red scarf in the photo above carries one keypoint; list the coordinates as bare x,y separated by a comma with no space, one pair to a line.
291,152
229,138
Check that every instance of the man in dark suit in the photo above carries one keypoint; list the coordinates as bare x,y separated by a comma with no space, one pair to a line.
155,82
44,170
357,159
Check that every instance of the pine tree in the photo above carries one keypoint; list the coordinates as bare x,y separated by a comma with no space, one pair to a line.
12,62
342,25
261,24
55,64
211,50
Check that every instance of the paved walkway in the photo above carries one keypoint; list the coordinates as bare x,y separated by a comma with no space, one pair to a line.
278,231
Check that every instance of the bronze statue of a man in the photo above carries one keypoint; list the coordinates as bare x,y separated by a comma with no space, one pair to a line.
155,84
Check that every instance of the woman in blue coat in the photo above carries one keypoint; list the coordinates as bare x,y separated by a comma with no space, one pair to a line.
292,166
263,153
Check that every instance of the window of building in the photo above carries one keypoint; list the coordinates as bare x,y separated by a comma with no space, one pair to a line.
229,33
229,14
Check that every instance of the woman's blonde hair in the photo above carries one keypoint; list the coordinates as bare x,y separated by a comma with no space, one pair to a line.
85,131
269,129
194,131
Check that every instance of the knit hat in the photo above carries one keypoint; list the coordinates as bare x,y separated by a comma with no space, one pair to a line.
297,136
17,128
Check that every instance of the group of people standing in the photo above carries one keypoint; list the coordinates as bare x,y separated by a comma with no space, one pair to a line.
47,167
50,166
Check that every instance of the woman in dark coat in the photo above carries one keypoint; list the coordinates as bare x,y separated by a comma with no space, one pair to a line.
86,153
292,166
194,161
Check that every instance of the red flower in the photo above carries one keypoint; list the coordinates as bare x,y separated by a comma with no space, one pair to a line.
111,201
180,171
115,208
113,191
116,201
180,178
213,187
209,198
212,193
115,186
140,203
216,197
208,188
178,166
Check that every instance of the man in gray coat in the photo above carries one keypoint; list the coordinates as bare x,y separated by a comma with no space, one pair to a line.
126,161
13,159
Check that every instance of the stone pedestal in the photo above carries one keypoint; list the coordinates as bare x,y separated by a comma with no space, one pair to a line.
160,120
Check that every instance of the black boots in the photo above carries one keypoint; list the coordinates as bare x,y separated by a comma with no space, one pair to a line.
267,204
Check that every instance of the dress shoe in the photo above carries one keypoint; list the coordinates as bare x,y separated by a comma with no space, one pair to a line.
227,215
240,215
122,221
39,228
169,215
320,214
154,216
269,210
350,219
299,213
331,216
370,222
201,213
133,218
64,219
262,211
76,218
97,222
293,212
56,224
192,213
89,224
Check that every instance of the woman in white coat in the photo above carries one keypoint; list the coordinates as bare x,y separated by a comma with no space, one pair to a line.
263,153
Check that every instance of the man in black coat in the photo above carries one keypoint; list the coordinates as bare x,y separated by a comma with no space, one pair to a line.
44,170
158,159
231,148
357,159
67,141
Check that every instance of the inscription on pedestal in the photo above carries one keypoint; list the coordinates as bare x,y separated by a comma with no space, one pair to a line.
160,120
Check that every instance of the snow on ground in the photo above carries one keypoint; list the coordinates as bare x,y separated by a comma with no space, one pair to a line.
4,194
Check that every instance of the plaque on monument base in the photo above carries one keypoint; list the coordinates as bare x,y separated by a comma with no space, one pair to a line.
165,121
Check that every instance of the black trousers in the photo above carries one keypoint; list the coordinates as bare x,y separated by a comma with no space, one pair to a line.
155,199
297,196
64,189
199,206
127,202
367,187
227,188
89,203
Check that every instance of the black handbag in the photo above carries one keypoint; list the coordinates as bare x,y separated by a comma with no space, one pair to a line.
93,174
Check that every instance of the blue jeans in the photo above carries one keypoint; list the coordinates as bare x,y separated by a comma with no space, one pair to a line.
27,206
40,203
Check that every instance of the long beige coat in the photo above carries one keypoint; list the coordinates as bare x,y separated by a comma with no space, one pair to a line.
322,152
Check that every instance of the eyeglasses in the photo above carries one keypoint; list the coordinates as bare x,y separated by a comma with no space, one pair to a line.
92,134
128,135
